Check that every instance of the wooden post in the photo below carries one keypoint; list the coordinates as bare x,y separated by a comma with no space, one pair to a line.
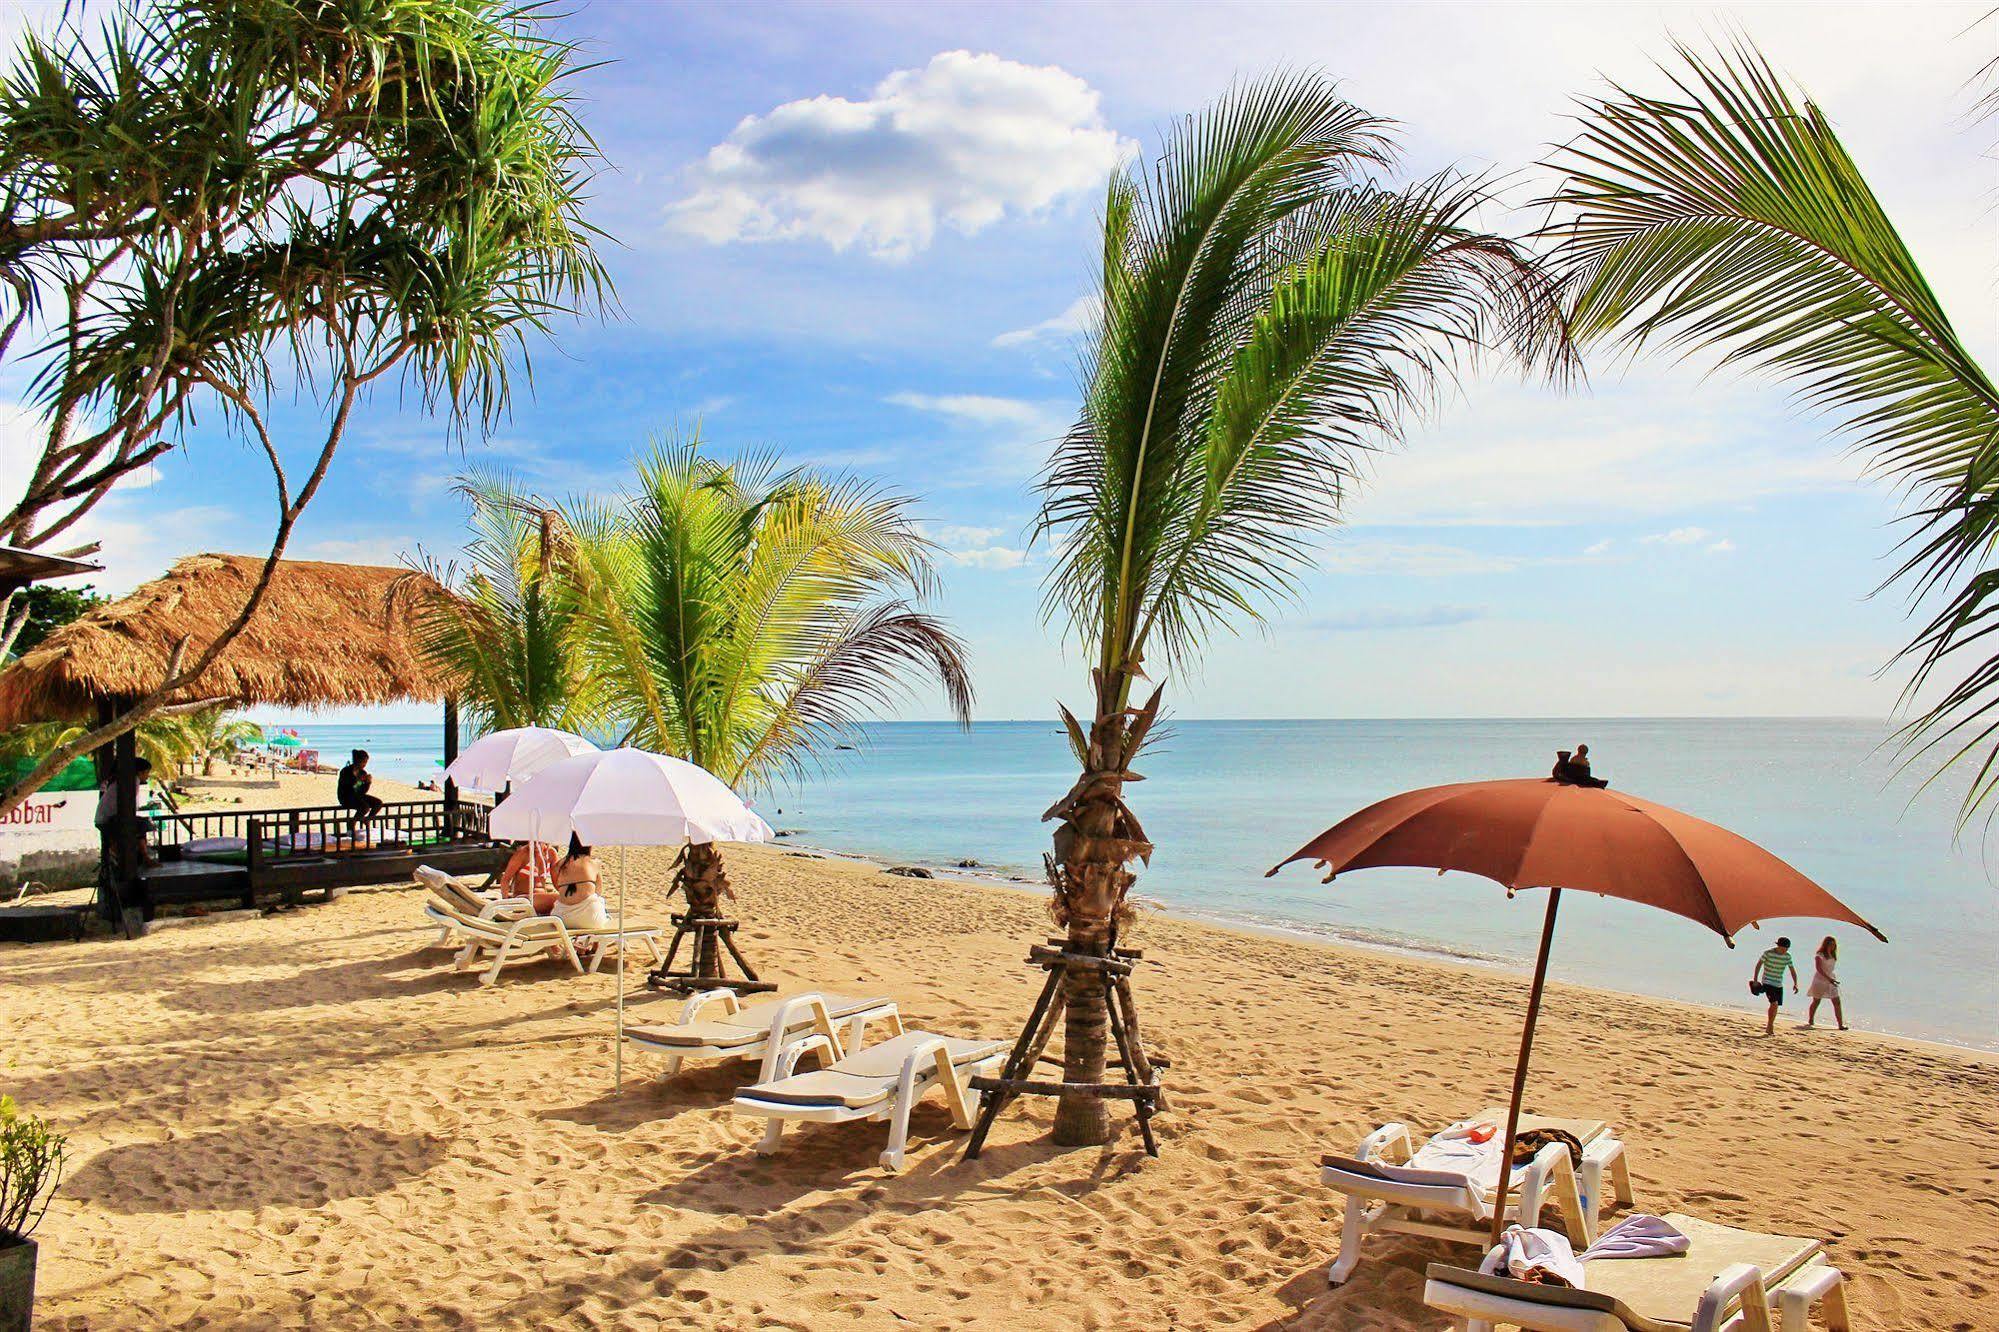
1520,1067
253,855
110,884
450,753
131,850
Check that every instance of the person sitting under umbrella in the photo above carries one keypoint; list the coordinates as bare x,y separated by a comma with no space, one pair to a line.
578,903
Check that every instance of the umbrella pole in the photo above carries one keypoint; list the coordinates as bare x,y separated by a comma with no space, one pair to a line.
1520,1067
618,1057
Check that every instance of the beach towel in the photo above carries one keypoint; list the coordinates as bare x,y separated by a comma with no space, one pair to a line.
1639,1235
1542,1256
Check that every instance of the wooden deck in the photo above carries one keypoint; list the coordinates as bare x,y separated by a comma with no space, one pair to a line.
285,853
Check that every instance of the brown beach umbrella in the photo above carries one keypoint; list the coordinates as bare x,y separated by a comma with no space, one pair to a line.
1531,833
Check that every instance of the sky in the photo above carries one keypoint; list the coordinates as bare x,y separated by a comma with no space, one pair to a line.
862,234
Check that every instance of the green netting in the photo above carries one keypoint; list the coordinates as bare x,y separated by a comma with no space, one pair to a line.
80,775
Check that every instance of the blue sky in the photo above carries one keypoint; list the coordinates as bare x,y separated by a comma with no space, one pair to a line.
859,233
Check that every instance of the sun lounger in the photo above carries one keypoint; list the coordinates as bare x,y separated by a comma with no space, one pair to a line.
761,1030
1391,1185
452,897
504,939
1728,1281
881,1082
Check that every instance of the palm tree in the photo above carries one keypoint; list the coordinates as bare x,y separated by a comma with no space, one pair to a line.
212,732
1728,217
504,627
746,619
1267,315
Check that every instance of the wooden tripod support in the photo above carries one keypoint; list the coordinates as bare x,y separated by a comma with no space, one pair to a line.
711,936
1141,1085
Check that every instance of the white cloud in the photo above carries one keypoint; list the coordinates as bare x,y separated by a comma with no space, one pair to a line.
1721,547
974,546
977,409
385,550
1679,536
991,557
1396,617
1017,433
1416,559
963,141
1655,443
1078,315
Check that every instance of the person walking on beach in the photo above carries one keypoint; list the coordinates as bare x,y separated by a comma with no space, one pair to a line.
1768,980
351,790
1825,983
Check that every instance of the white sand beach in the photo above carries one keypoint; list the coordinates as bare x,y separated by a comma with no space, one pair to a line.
309,1120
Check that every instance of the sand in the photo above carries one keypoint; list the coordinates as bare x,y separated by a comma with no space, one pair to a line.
308,1120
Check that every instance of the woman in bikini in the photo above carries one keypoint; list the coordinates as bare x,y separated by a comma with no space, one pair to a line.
578,903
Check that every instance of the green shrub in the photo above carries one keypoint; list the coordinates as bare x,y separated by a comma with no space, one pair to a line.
30,1168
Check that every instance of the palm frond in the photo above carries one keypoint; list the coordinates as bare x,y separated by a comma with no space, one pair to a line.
503,625
1728,217
740,614
1268,313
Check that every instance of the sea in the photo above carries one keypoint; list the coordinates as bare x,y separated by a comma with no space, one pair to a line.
1225,800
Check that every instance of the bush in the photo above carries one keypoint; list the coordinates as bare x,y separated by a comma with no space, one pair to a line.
30,1168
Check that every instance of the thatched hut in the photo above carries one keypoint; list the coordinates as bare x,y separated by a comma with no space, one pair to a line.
325,635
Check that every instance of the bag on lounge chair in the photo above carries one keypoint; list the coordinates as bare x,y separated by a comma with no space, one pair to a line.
1528,1145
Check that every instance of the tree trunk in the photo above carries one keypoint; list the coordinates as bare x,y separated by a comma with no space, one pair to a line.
1097,839
705,884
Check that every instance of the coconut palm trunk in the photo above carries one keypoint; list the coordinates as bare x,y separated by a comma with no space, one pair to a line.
1268,314
1097,839
702,881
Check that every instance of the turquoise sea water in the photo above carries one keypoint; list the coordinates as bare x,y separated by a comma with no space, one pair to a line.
1226,800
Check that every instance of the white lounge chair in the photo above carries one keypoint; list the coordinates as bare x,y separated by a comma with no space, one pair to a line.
761,1030
881,1082
505,939
1728,1281
1391,1185
451,897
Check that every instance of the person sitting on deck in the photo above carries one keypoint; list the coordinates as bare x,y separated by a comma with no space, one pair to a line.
352,791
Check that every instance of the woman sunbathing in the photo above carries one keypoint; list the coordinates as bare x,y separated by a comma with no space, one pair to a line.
530,872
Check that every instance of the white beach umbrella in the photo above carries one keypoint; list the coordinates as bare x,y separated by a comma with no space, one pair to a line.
491,762
621,798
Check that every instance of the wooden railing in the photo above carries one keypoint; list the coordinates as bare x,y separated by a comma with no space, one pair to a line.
324,830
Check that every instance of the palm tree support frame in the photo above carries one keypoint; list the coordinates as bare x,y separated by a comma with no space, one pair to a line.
1067,972
699,876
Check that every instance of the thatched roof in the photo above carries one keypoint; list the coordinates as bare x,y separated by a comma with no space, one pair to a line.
325,635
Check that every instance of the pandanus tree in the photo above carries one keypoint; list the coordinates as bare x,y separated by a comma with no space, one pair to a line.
1268,313
747,618
503,624
209,208
1727,217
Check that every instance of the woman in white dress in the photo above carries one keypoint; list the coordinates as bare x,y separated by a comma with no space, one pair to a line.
1825,984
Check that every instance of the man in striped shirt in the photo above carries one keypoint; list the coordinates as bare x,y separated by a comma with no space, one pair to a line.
1768,980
